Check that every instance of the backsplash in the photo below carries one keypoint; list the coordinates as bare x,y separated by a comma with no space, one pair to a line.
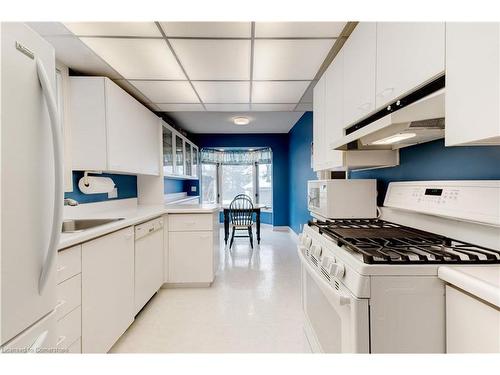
172,185
126,185
434,161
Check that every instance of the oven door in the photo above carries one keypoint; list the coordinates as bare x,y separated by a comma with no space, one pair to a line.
334,320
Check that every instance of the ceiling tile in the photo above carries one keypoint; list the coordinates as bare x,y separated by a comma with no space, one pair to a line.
303,107
167,91
223,92
180,107
137,58
214,59
207,29
272,107
227,107
278,92
289,59
142,29
298,29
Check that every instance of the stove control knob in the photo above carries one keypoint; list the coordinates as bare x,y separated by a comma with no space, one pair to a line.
307,241
317,251
338,270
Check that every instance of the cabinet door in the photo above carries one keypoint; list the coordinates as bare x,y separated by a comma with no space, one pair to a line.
409,54
191,257
359,75
107,289
148,267
334,119
168,151
88,123
195,161
133,131
472,84
319,124
189,166
179,155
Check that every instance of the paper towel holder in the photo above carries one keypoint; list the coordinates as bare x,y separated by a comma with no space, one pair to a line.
86,176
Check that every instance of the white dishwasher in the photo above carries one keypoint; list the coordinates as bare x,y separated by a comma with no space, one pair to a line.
148,261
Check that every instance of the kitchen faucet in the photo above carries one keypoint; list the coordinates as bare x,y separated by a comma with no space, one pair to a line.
70,202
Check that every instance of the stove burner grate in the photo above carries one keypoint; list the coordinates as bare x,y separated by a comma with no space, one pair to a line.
383,242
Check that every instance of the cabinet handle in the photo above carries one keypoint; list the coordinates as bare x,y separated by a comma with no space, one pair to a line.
61,268
60,340
364,106
385,92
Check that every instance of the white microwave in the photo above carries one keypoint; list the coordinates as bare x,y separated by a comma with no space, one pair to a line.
342,199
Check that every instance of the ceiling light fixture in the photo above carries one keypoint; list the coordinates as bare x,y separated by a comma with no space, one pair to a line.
241,121
394,139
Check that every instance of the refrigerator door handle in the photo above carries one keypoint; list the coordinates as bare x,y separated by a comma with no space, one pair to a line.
51,251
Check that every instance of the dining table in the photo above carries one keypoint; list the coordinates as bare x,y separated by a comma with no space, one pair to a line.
256,209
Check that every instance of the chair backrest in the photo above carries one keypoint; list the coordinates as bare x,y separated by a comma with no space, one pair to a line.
243,196
241,210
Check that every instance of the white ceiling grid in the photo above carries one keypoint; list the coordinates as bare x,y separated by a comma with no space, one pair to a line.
215,66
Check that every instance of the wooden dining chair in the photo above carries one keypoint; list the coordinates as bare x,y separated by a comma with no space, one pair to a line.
241,217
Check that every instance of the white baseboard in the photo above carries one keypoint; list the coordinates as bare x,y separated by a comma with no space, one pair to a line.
281,228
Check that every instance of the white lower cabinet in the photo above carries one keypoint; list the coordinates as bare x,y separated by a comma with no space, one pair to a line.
148,261
107,289
192,248
69,300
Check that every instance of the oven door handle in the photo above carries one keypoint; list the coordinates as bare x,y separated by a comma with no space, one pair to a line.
339,297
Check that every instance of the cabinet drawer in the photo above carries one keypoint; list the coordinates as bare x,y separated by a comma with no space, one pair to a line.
76,347
69,295
69,329
189,222
69,263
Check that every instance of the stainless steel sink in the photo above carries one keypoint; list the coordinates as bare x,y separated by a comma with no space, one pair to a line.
79,225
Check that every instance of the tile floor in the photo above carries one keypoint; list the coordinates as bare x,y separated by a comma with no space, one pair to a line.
253,306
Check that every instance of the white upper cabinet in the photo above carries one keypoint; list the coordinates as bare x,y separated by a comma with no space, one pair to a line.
111,131
359,74
334,103
319,142
409,54
472,84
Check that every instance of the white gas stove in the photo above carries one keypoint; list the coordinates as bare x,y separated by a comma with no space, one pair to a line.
371,285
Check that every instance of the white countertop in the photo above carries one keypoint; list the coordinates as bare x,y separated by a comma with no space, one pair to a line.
132,214
481,281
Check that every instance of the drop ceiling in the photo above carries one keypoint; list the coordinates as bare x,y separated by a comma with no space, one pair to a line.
202,66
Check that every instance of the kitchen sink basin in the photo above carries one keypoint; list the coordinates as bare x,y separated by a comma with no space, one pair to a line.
79,225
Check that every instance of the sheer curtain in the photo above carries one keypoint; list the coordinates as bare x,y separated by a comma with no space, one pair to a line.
236,157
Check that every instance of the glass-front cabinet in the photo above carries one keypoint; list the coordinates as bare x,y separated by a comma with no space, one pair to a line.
195,162
189,166
168,152
180,156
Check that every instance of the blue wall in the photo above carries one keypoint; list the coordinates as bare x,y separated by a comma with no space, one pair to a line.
433,161
279,145
173,185
300,171
126,184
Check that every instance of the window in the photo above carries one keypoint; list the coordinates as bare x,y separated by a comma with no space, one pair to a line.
227,173
209,183
264,184
237,179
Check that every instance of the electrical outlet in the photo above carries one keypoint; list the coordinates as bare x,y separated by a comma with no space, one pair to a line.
193,189
113,193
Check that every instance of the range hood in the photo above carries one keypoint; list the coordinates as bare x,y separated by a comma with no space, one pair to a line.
418,122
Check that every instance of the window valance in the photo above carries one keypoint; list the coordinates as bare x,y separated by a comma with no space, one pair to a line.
236,156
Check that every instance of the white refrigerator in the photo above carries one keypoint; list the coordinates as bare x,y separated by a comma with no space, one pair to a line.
31,191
